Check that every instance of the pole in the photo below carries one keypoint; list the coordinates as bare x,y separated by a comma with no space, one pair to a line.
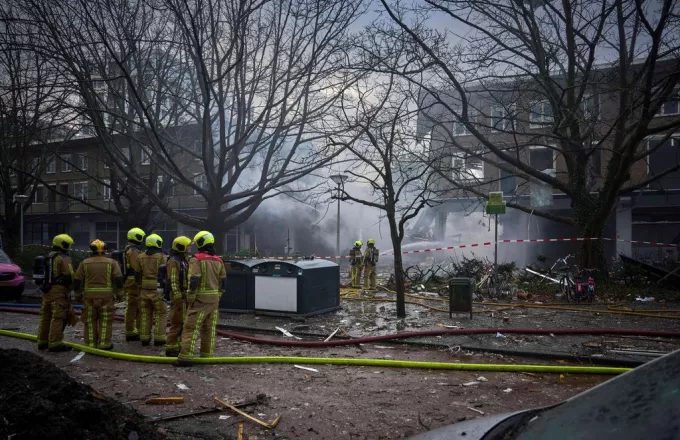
495,251
337,238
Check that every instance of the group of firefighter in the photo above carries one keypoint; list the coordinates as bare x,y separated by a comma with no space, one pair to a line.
192,283
365,262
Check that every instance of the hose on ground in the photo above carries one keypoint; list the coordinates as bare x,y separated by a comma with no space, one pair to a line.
426,333
339,361
32,306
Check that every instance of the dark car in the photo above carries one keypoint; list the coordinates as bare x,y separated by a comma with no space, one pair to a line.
641,404
12,281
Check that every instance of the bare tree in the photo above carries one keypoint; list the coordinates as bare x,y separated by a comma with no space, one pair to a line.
31,110
256,78
582,81
386,158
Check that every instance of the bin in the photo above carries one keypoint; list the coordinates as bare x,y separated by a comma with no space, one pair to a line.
296,288
240,294
460,296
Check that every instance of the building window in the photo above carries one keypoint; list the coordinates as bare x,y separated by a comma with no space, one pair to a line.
34,165
459,128
39,195
108,233
82,162
80,190
65,201
126,153
508,181
662,156
499,119
467,167
201,181
106,190
541,113
591,107
51,166
671,105
146,159
541,158
65,162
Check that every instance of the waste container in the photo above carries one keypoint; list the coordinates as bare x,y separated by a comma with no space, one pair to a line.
296,288
240,294
460,296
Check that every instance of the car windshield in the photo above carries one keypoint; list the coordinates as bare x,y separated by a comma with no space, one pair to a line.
4,258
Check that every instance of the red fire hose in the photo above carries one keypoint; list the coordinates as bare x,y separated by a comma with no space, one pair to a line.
407,335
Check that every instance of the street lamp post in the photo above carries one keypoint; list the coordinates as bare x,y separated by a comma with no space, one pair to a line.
339,179
21,199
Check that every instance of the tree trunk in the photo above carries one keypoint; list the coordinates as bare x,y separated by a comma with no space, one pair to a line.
590,224
398,266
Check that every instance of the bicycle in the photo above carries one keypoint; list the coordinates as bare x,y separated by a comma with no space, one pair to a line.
552,271
494,283
574,289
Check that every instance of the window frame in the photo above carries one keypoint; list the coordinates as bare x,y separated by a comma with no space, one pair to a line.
205,179
83,160
544,147
106,188
507,121
39,189
464,175
78,184
662,108
51,165
66,165
544,120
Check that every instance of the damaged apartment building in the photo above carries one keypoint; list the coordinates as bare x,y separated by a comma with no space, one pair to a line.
517,118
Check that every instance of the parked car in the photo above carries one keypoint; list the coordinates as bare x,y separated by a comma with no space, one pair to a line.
641,404
12,280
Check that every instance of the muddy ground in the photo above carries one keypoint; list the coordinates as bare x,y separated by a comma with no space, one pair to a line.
363,402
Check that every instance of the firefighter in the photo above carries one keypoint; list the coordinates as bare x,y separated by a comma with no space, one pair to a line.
177,270
370,260
207,277
356,260
55,300
98,281
152,307
135,237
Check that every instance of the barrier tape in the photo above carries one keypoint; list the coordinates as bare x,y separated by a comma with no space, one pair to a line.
486,243
459,246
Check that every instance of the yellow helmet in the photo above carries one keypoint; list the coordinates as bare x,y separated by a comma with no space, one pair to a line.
204,238
154,241
358,243
98,247
136,235
62,241
181,243
370,241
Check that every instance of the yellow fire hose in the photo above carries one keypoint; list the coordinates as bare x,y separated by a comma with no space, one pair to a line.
338,361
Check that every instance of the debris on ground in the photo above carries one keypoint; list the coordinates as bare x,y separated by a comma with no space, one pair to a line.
38,400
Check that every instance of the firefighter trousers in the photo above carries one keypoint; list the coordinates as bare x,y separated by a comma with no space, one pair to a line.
154,313
53,314
131,307
369,277
202,318
356,275
98,312
178,312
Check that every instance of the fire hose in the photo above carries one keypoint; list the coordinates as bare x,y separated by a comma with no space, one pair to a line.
338,361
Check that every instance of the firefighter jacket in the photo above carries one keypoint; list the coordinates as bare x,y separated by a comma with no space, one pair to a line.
371,256
99,276
149,264
61,272
206,276
177,269
355,256
131,261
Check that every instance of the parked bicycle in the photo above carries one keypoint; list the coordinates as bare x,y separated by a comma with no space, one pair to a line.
493,283
580,288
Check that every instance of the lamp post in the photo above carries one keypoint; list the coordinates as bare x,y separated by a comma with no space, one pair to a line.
339,179
21,199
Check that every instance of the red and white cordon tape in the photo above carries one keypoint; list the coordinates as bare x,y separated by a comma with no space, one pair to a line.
486,243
